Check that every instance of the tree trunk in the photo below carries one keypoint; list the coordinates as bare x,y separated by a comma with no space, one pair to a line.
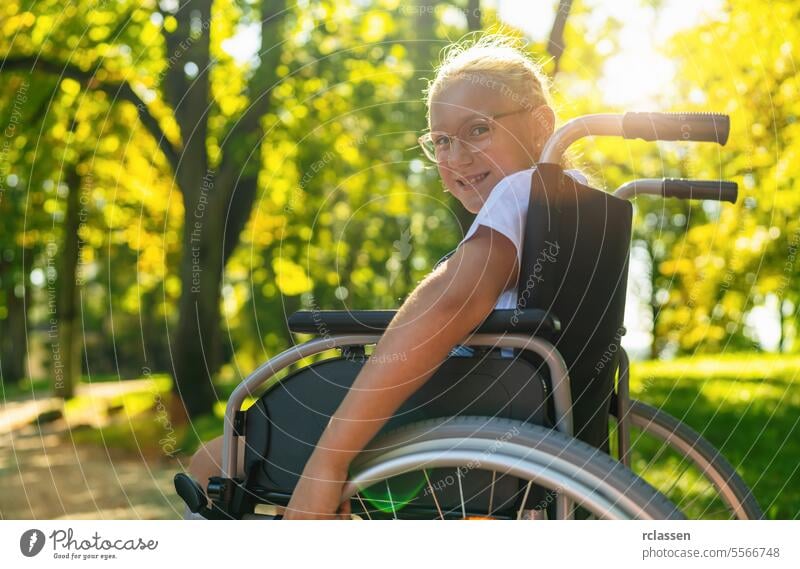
195,352
156,347
67,352
12,332
218,202
197,348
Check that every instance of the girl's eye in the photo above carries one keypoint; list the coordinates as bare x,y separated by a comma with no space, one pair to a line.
478,129
441,140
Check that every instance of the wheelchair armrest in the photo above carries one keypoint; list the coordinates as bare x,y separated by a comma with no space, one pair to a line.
530,321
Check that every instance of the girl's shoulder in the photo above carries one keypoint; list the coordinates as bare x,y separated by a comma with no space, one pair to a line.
520,182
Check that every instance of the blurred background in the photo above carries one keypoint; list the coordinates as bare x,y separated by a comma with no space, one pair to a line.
178,177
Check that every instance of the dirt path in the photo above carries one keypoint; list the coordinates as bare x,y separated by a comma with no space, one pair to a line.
18,412
45,475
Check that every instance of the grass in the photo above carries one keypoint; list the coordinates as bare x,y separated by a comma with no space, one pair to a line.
748,406
141,424
26,388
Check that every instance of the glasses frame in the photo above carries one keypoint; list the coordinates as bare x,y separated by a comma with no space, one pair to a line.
428,136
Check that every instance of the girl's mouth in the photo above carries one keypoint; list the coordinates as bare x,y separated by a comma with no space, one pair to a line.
472,180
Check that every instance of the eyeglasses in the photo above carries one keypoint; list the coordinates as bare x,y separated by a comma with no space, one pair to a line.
475,135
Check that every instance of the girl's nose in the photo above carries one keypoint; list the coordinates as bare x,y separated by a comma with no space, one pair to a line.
459,153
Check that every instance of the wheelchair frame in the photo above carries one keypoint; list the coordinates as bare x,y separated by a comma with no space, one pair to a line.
627,412
562,398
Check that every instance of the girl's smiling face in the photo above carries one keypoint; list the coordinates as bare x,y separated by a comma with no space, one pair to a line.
516,139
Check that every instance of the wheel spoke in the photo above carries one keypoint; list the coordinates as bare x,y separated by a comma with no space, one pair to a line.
534,454
685,506
461,493
363,505
653,460
524,499
684,470
433,493
491,492
391,500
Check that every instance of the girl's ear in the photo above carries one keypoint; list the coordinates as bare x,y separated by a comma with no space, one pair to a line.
544,120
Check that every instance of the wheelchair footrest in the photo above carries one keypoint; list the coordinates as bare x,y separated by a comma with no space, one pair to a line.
190,492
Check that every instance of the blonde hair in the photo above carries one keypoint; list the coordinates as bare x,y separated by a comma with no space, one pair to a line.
495,60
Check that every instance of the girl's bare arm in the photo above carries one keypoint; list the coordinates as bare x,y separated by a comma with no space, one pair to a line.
440,313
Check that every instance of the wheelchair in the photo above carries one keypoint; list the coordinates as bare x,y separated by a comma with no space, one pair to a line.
491,435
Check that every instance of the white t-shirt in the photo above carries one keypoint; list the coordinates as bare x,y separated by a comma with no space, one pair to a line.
505,211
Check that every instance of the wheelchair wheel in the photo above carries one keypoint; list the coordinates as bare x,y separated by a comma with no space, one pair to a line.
696,467
480,467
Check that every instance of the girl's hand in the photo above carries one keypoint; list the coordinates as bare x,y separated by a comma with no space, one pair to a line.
317,495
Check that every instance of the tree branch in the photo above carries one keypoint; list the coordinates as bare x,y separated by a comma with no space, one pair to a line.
243,141
89,80
246,132
473,15
237,212
555,45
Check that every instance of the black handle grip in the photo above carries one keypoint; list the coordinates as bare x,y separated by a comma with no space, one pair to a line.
700,189
698,127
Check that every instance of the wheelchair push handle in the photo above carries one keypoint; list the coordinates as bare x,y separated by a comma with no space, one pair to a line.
681,188
700,189
682,127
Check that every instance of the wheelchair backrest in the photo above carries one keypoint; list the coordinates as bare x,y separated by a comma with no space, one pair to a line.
575,265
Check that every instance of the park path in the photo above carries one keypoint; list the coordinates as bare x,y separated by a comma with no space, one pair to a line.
45,475
17,412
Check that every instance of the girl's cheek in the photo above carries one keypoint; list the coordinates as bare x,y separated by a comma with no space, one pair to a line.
448,181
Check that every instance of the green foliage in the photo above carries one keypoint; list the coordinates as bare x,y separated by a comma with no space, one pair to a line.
734,258
347,213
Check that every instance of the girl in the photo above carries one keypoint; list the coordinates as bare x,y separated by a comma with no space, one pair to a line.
489,116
